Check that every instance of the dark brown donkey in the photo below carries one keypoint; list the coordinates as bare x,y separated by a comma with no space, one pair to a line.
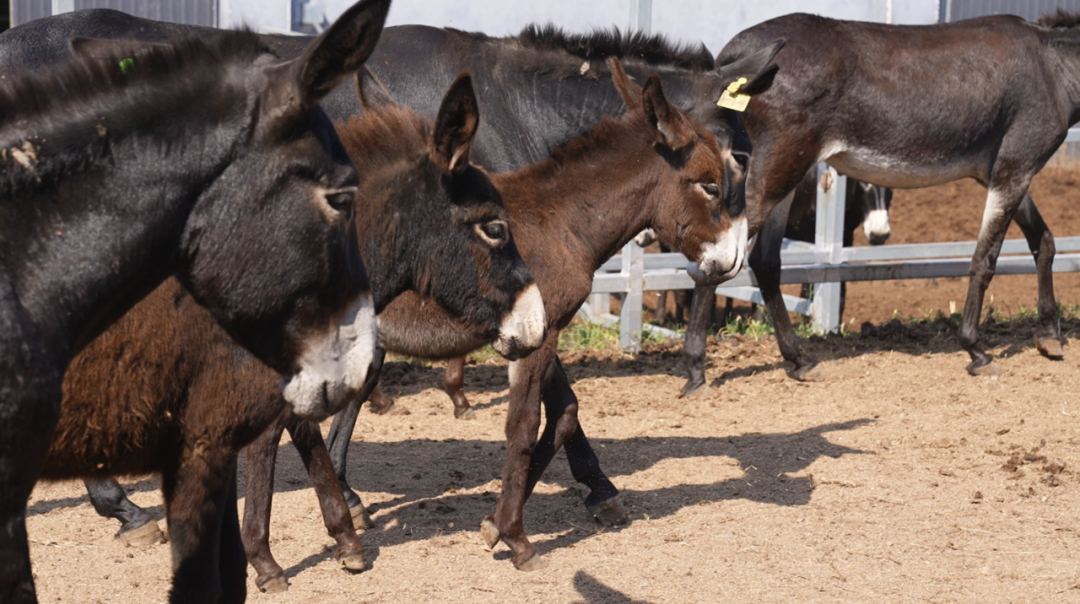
652,167
166,391
903,106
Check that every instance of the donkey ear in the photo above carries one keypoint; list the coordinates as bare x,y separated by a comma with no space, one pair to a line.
628,90
675,132
336,53
371,92
754,67
455,126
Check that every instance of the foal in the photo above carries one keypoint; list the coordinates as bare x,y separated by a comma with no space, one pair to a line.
1003,95
210,161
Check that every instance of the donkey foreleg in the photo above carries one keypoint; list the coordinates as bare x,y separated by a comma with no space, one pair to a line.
261,457
454,383
697,333
197,495
563,429
336,514
522,425
137,526
765,261
1041,244
1002,201
337,441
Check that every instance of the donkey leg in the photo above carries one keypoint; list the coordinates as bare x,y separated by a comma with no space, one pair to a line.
454,383
31,408
765,260
379,402
1001,202
336,514
522,424
561,428
258,501
1041,244
196,495
137,526
338,444
233,565
697,333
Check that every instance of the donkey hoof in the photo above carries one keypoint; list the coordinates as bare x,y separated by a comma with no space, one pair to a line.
609,512
693,388
354,562
360,519
988,370
490,533
1050,348
533,563
142,536
273,585
468,413
809,373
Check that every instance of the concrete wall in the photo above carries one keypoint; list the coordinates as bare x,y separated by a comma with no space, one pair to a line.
711,21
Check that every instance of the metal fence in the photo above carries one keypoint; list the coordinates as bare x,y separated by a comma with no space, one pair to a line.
824,263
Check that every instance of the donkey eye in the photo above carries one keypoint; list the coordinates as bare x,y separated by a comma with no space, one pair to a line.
493,233
341,201
711,190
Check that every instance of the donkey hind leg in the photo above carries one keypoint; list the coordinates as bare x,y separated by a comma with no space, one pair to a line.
1001,202
522,424
258,500
337,442
454,383
561,407
1041,244
765,260
233,561
137,526
336,514
697,333
197,495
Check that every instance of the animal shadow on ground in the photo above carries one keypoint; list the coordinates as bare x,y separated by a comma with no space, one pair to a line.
446,487
595,592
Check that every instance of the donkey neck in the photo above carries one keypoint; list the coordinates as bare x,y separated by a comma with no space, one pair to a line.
101,227
593,195
1064,63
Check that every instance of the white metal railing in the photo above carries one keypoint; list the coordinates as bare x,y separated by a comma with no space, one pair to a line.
824,263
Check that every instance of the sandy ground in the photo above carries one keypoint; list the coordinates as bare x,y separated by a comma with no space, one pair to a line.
897,479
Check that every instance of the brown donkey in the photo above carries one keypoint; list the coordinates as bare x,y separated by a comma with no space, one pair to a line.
652,167
166,391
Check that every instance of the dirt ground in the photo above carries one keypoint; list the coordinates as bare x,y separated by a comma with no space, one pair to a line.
897,479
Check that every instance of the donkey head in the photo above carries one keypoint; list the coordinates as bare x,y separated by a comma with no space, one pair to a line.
872,203
436,224
692,216
268,245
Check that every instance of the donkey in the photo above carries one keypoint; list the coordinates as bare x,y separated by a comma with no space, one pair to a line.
652,167
1003,99
165,391
211,161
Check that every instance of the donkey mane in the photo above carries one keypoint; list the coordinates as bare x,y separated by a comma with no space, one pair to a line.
1060,19
89,101
381,137
603,43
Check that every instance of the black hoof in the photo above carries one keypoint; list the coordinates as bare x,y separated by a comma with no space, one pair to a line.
808,372
987,369
693,387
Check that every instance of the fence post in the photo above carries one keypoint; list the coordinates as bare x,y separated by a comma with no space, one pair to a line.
829,241
641,16
633,265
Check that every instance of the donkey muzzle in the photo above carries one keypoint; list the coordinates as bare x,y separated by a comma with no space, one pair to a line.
523,330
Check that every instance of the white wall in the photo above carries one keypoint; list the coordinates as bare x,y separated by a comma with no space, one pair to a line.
711,21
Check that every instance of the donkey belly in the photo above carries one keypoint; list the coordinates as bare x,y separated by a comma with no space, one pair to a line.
902,172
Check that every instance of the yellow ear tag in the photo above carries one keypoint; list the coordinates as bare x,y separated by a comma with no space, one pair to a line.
731,99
